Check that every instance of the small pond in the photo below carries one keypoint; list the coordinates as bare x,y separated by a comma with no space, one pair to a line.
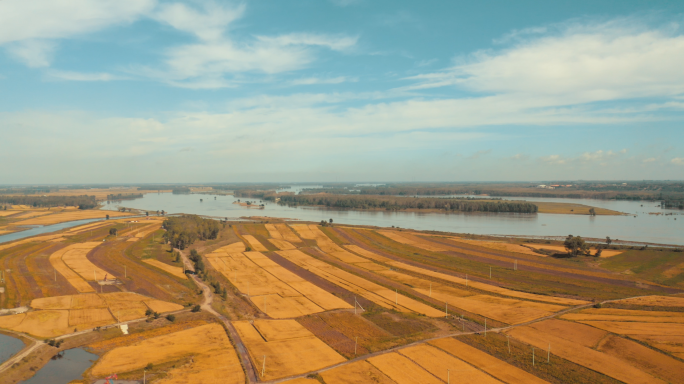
64,367
9,346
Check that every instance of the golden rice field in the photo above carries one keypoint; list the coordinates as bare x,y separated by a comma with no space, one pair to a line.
213,357
285,346
70,216
170,269
272,288
60,315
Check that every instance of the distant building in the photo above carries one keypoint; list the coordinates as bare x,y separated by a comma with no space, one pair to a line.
541,186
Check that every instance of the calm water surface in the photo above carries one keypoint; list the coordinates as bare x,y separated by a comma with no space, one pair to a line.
63,368
642,228
9,346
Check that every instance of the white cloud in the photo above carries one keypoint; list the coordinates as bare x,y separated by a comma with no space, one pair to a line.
581,63
208,24
336,43
55,19
34,53
677,161
649,160
317,80
81,76
345,3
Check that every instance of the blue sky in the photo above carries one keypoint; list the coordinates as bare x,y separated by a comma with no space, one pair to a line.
98,91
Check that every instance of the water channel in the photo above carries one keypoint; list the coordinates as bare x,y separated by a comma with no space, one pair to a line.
638,225
43,229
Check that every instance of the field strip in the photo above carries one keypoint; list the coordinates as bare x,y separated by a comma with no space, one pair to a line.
70,216
438,362
255,244
272,288
282,244
579,354
175,271
273,231
661,301
214,358
287,233
60,315
408,239
582,318
488,363
497,245
285,357
402,370
142,232
75,258
72,277
356,372
371,291
604,252
634,328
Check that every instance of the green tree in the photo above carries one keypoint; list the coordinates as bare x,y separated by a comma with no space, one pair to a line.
598,251
608,241
113,231
576,245
592,211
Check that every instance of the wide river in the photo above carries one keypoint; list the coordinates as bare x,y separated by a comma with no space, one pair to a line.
638,226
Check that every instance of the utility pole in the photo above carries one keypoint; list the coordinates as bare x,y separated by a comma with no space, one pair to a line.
396,297
485,327
125,272
448,377
356,342
431,289
466,279
548,354
508,339
533,356
446,310
263,367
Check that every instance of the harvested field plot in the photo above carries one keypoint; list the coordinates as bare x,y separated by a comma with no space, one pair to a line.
672,344
78,252
272,288
287,233
634,328
438,362
286,357
255,244
282,244
644,358
214,359
70,216
369,290
358,372
56,316
579,354
498,245
90,318
493,366
326,245
402,370
234,248
610,314
406,238
655,301
175,271
74,256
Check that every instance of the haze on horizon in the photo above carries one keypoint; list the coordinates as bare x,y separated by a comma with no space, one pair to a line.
151,91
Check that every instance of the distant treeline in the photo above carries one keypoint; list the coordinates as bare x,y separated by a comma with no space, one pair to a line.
180,190
594,192
24,191
401,203
126,196
263,195
82,202
184,230
672,204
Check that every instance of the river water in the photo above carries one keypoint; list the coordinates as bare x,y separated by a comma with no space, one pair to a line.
642,228
43,229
